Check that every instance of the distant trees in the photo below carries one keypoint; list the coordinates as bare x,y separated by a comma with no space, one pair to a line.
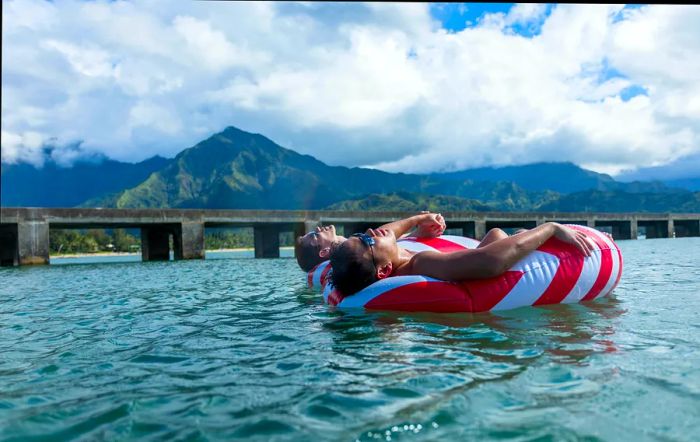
235,238
227,239
123,241
70,241
91,241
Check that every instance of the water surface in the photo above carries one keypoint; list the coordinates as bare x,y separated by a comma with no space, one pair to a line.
227,349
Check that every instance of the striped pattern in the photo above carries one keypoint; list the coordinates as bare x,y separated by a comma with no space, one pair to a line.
555,273
316,278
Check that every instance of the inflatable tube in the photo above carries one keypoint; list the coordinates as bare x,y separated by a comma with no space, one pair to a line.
555,273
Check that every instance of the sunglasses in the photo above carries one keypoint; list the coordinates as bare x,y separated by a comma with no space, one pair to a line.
369,241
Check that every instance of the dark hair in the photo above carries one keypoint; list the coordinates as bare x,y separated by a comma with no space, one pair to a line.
351,271
307,254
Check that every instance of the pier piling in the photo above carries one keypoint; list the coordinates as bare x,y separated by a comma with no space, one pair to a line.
189,241
33,242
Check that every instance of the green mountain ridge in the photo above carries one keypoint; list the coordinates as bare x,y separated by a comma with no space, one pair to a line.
56,186
411,202
235,169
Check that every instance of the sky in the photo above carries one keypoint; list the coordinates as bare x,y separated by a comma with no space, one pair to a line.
403,87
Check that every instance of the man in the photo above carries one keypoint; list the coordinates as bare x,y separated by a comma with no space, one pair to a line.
314,247
363,259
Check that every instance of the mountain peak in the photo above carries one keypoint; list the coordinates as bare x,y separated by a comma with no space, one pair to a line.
233,130
239,169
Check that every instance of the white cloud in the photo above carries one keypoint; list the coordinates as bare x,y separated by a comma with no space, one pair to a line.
526,13
86,60
369,82
151,115
24,147
373,84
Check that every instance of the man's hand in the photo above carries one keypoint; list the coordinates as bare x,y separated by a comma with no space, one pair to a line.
578,239
431,225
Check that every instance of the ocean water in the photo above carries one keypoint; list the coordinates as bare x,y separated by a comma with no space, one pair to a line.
239,349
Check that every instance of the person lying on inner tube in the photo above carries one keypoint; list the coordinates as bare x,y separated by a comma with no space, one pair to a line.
314,247
368,257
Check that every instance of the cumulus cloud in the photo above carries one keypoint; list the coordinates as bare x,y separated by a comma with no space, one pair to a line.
25,147
378,85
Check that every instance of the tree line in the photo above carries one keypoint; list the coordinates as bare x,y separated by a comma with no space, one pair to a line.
71,241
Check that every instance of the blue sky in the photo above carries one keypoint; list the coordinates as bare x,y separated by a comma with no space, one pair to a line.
456,17
414,87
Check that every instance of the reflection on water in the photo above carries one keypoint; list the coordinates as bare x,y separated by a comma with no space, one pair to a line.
226,349
573,331
414,363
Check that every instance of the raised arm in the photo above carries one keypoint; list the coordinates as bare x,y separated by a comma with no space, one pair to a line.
427,225
493,259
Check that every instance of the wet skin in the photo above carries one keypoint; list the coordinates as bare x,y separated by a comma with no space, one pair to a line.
488,261
322,236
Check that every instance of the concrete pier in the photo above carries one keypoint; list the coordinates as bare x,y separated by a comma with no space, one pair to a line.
189,240
634,229
24,232
479,228
33,242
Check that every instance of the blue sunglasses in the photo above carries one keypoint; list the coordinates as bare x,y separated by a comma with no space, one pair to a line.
369,241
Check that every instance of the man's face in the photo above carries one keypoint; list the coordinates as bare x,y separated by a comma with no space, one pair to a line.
384,249
322,237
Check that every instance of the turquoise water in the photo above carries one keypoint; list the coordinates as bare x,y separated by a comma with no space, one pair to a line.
227,349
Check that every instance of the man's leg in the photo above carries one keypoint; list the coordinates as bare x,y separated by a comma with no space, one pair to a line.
493,235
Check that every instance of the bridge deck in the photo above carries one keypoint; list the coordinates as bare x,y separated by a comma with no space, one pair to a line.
24,231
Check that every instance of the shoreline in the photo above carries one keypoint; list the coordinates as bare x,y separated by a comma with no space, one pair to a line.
109,254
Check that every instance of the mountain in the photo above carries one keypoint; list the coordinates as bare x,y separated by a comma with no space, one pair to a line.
692,184
563,177
411,202
560,177
615,201
499,195
235,169
586,201
57,186
683,172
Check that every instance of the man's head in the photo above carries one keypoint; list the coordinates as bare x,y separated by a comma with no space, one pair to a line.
363,259
314,247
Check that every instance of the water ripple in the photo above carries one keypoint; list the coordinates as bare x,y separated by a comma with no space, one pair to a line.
240,349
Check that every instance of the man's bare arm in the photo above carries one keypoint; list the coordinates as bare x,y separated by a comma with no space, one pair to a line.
493,259
403,226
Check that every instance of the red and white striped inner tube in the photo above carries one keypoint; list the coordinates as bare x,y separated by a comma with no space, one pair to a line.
555,273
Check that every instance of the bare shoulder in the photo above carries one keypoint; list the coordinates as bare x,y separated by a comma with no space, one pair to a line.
454,266
416,262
